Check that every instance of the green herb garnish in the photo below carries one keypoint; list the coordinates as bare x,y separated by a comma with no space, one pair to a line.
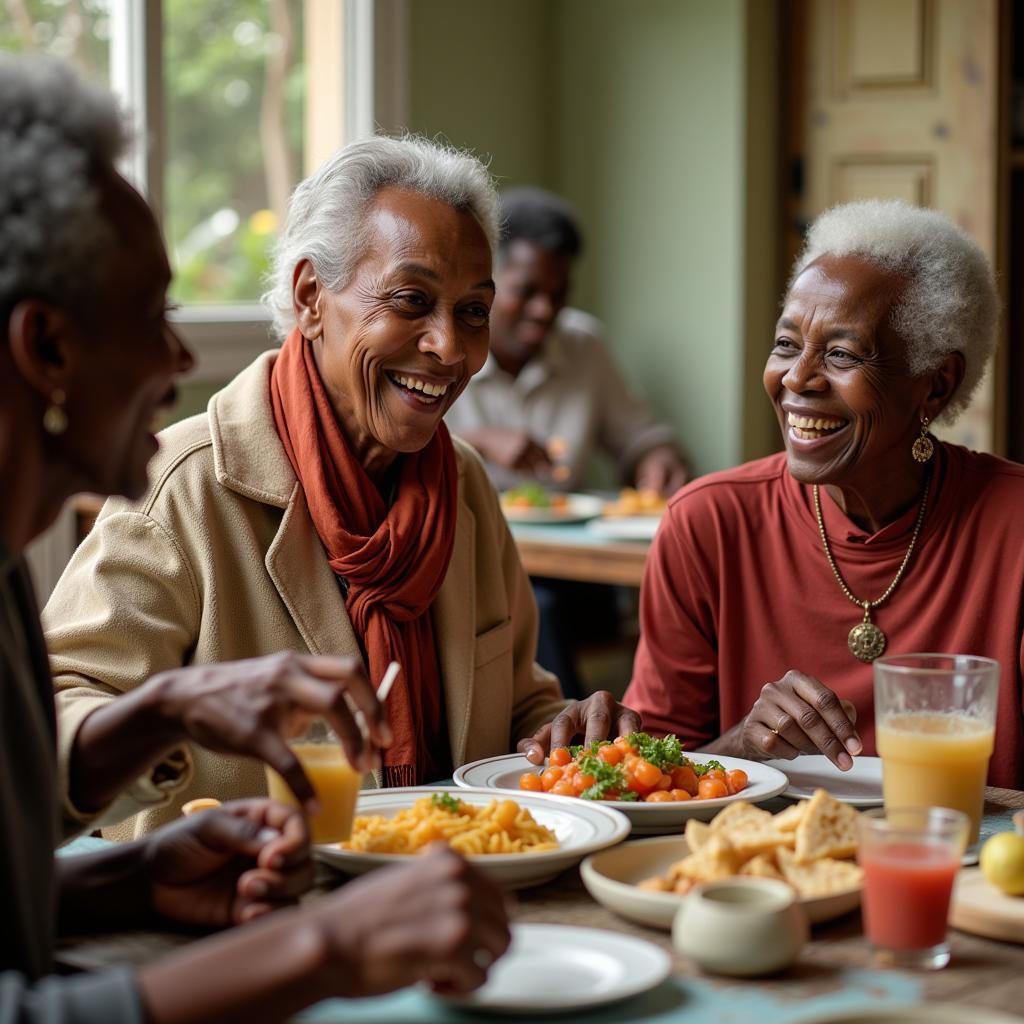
446,802
663,753
606,777
703,769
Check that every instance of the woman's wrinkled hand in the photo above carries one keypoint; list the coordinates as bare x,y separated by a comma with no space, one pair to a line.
229,864
599,717
435,920
251,707
799,715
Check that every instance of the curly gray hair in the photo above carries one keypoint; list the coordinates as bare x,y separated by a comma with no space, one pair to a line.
950,303
57,133
326,222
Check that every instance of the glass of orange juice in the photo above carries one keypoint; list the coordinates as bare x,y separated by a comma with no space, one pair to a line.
334,780
935,720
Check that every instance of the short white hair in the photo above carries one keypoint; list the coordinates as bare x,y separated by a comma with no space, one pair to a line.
58,134
950,302
327,212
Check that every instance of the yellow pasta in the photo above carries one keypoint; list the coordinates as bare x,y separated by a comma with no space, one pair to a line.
500,827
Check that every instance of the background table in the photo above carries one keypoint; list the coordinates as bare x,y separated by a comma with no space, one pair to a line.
833,973
572,552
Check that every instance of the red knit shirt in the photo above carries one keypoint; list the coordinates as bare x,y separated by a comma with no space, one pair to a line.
737,591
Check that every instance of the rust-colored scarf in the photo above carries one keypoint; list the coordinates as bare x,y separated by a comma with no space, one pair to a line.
392,560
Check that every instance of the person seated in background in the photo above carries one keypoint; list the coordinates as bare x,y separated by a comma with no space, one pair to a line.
771,587
548,397
320,504
86,358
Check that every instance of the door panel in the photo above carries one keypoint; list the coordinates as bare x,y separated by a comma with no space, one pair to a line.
898,98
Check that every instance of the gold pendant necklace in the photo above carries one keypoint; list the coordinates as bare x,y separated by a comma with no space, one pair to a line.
866,641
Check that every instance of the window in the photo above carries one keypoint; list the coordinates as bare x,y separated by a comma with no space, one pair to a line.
237,100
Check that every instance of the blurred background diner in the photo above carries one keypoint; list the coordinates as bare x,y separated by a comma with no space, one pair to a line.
694,140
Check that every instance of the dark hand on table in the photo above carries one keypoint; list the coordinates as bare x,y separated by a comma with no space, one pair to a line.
799,715
599,717
251,707
662,470
229,864
435,919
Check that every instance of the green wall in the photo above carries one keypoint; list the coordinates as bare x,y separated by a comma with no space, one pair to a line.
656,119
481,74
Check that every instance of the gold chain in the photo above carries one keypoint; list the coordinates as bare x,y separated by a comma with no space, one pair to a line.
868,605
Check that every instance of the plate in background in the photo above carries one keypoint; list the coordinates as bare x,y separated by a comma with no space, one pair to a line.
861,786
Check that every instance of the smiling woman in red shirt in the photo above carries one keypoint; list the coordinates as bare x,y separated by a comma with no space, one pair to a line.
772,587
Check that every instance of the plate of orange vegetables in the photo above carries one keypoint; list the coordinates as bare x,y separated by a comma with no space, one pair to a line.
651,780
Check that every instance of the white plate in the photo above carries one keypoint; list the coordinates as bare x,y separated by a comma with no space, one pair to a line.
611,877
626,527
580,830
552,968
861,786
764,782
578,509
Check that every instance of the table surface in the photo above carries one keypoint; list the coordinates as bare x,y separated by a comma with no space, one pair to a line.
571,551
834,971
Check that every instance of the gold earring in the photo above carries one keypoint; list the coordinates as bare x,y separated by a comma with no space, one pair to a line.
923,448
55,419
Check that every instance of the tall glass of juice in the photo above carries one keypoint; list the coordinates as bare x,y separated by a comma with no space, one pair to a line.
910,857
335,781
935,720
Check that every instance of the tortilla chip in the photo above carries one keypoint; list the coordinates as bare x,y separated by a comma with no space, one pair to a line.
828,829
740,813
715,859
790,818
697,834
762,866
752,842
822,877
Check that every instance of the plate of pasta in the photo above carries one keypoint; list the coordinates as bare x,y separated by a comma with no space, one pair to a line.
516,839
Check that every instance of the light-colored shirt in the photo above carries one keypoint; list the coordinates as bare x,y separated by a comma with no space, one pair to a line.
571,393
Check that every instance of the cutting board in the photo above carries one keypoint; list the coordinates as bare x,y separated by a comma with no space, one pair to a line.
979,907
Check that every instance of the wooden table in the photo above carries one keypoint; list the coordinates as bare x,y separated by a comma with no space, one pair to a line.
834,970
571,552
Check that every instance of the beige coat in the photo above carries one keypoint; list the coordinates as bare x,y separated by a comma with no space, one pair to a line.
220,560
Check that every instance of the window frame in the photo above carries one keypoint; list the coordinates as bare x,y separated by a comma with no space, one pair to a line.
372,81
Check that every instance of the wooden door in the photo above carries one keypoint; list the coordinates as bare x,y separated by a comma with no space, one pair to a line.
897,98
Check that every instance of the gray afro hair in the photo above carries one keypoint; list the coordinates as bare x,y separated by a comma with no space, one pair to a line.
57,132
326,213
950,303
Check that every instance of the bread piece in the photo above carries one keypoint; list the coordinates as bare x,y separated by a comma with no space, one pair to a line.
823,877
737,813
762,866
790,818
828,829
715,859
752,842
697,834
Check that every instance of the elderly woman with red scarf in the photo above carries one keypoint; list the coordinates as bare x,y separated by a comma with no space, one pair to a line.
320,506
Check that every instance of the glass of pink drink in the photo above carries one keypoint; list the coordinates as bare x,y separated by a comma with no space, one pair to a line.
910,858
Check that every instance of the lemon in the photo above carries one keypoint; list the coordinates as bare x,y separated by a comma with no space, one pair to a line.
1002,862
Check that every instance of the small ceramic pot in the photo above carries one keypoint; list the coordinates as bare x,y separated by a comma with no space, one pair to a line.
742,927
